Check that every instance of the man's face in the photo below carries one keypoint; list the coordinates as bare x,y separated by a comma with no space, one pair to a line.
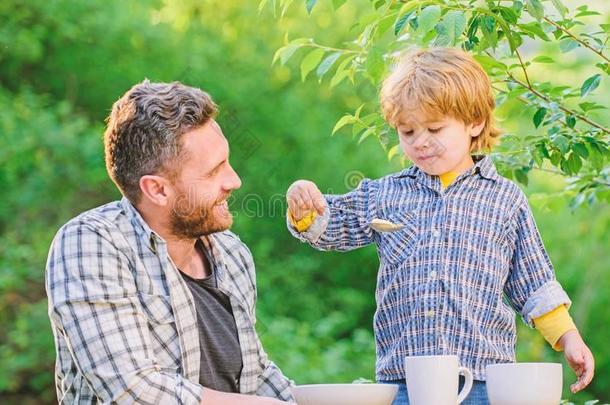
205,182
437,145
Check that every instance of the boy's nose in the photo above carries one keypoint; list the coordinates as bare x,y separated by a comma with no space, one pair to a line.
421,141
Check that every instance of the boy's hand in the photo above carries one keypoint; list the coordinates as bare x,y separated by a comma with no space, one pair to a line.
579,358
303,197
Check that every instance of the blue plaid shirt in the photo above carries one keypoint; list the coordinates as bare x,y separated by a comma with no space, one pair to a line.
451,280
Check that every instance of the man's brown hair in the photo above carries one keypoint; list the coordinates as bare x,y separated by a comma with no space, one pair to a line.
144,130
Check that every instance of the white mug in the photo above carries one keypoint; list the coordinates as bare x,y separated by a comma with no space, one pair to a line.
435,379
524,383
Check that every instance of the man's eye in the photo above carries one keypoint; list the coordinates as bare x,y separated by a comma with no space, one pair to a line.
434,130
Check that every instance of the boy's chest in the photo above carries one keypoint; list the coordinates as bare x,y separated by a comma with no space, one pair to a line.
467,228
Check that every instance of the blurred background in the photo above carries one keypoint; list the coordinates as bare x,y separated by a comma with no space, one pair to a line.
64,62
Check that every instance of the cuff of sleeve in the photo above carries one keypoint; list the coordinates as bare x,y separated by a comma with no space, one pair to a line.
554,325
272,383
544,300
314,231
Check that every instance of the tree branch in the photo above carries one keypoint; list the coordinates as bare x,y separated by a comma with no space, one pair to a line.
562,108
575,38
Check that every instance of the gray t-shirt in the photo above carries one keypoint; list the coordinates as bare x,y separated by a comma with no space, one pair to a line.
221,361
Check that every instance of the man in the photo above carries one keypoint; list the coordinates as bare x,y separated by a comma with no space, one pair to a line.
151,298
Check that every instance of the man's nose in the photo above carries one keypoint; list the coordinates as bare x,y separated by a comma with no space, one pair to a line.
233,181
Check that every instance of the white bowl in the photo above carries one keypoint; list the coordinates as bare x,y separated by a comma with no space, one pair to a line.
524,383
345,394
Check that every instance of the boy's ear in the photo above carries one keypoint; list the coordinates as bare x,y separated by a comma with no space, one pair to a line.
477,128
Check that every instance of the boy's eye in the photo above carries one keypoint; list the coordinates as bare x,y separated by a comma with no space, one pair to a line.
434,130
406,133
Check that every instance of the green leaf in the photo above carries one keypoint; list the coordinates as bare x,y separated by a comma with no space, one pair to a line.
583,12
521,176
539,116
571,121
343,121
543,59
451,28
327,63
555,157
310,4
534,29
590,84
572,164
342,72
590,106
428,18
563,10
385,23
535,9
400,23
567,44
338,3
561,142
490,63
581,149
374,64
509,15
394,150
310,61
369,131
285,53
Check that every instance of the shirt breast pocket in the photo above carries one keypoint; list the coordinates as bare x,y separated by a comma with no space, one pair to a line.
396,247
158,308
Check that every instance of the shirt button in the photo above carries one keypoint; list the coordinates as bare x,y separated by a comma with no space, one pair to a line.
432,275
430,313
436,233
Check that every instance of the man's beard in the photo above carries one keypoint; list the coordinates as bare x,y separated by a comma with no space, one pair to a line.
192,218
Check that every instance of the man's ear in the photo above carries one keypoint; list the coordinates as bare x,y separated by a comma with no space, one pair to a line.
156,189
477,128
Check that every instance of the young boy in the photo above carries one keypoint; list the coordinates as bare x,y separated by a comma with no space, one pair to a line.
468,238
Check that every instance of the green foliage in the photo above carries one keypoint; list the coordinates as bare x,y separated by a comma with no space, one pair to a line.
63,63
497,33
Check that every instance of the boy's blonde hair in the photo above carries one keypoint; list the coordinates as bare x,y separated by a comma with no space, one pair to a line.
438,82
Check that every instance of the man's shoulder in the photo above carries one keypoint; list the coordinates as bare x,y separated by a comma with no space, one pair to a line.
99,220
104,214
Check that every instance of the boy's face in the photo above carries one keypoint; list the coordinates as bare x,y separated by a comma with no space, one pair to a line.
437,145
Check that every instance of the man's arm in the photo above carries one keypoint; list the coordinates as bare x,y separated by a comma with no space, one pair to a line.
93,304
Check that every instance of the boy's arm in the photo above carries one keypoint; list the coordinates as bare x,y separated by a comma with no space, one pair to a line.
531,286
533,291
554,324
345,221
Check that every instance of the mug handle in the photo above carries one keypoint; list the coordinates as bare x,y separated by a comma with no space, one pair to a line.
467,384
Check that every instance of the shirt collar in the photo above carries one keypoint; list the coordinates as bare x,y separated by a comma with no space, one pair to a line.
483,166
141,227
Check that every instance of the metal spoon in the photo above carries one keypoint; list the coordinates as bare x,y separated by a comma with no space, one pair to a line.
378,224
